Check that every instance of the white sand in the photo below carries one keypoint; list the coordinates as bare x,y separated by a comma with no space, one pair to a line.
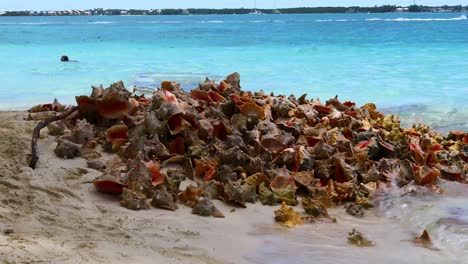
59,218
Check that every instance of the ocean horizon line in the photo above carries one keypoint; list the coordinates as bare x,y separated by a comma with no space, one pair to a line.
237,10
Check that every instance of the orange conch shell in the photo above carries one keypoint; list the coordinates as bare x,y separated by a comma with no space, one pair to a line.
155,171
418,153
109,184
177,123
190,196
252,110
113,106
204,170
117,136
86,104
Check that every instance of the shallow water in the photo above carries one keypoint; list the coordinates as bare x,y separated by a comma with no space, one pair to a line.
392,226
395,60
445,216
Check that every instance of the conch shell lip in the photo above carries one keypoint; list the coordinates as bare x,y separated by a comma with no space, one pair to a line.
154,168
117,135
251,109
109,184
114,106
274,145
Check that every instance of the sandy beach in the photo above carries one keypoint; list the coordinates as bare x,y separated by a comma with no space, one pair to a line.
54,215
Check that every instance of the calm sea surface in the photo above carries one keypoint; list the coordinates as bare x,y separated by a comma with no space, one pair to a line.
412,64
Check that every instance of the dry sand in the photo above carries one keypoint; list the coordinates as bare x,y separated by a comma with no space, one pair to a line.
54,215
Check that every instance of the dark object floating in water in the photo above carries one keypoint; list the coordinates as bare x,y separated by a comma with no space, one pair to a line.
64,58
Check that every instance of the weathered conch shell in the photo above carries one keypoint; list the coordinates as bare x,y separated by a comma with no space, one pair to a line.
275,196
132,149
314,208
273,145
205,207
163,199
190,196
424,240
306,179
139,177
55,106
170,86
82,133
343,171
288,217
357,238
133,200
240,193
282,179
67,149
354,210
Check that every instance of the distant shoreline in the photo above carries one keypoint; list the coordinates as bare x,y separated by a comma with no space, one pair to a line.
239,11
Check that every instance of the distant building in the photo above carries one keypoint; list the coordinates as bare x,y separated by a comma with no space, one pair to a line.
123,12
185,12
2,13
401,9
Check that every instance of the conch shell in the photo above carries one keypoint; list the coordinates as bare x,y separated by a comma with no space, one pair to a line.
109,184
288,217
205,207
117,136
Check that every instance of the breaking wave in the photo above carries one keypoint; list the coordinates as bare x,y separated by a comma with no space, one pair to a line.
161,21
335,20
403,19
213,22
101,22
31,23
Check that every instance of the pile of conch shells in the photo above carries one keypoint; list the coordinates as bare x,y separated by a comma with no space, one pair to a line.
240,147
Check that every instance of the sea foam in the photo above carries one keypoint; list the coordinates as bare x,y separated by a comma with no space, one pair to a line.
404,19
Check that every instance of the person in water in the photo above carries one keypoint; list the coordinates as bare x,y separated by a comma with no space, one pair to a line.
66,59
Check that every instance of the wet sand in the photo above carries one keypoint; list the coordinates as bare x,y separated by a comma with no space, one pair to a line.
55,215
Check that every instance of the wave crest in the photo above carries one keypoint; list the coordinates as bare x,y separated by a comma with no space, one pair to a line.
404,19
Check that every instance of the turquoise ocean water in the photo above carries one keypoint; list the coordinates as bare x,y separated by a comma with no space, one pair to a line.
412,64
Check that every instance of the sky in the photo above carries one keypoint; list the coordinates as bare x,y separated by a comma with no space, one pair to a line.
155,4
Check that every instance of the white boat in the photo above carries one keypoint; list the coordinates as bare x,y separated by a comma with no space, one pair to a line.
276,10
255,11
